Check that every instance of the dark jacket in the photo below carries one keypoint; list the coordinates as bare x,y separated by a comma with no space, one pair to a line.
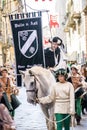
50,57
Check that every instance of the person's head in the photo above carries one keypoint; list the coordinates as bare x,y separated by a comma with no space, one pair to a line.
83,70
76,78
56,41
74,69
54,46
4,72
62,75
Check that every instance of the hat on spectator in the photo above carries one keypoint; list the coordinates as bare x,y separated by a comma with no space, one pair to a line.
4,69
74,66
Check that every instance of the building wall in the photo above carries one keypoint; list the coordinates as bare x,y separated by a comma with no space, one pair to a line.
86,33
76,24
9,7
60,9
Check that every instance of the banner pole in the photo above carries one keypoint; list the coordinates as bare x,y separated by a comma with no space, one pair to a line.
25,6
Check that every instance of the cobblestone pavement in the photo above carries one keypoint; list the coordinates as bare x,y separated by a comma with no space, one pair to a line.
29,117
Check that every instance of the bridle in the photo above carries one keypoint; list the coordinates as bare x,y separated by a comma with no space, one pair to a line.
32,90
35,90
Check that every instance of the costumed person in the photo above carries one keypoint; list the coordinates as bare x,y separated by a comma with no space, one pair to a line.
8,90
6,122
75,79
54,55
62,94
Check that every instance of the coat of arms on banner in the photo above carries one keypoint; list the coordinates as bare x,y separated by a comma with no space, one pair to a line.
28,43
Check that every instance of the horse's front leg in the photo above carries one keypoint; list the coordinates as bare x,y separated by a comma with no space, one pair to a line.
51,123
49,115
51,119
46,113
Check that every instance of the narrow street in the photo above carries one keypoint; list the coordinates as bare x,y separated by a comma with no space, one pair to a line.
51,34
29,117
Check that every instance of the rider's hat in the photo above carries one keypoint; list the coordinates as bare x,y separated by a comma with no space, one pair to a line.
57,40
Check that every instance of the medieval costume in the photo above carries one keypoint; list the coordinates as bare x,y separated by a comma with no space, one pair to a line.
51,58
62,94
8,90
52,55
6,121
75,79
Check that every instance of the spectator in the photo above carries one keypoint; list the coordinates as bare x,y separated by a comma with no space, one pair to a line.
75,79
8,88
6,121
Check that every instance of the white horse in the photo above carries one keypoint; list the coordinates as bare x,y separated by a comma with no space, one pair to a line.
38,82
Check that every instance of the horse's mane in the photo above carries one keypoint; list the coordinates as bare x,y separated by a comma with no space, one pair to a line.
44,75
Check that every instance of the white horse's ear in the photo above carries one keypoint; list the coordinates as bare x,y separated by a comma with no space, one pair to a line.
22,72
30,72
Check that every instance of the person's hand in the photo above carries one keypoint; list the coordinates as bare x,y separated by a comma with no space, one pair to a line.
37,100
51,68
72,114
15,90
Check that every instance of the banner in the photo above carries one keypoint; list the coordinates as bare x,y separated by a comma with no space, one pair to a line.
27,37
54,21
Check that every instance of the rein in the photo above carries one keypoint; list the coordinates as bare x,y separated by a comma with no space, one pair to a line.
35,90
32,90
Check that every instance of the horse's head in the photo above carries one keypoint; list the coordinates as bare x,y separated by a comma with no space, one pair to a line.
38,82
30,84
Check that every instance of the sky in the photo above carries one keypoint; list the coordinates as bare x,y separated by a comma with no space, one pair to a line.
41,5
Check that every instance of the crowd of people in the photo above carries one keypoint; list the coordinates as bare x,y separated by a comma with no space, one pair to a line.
78,79
70,96
70,91
7,108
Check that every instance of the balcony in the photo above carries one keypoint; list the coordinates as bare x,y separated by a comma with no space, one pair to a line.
76,15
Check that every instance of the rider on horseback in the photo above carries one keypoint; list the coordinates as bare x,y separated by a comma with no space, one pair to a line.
52,54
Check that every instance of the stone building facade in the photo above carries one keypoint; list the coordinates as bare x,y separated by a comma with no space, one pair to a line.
76,29
7,7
